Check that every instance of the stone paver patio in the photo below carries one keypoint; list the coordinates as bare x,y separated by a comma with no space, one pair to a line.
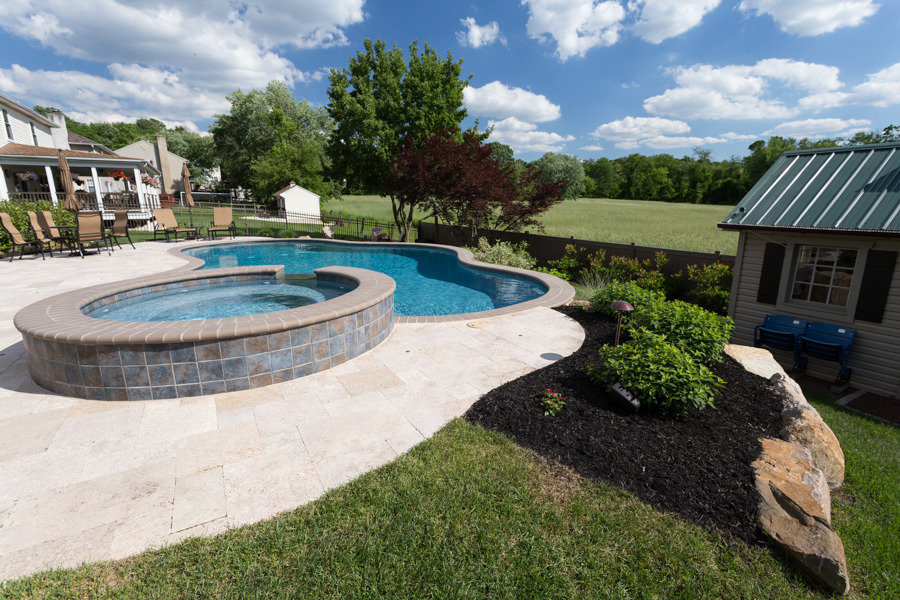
88,480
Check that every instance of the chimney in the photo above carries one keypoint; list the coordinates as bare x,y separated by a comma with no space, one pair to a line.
167,184
60,133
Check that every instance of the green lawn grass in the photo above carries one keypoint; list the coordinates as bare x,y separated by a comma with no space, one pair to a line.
468,514
659,224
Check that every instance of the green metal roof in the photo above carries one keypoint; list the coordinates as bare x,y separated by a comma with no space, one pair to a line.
852,189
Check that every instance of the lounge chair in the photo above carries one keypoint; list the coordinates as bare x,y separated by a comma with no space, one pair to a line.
90,230
16,238
38,231
51,230
167,224
120,228
222,221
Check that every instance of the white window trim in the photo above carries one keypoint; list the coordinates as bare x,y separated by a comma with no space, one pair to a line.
810,310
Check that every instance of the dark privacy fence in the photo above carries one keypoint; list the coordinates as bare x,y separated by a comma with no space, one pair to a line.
546,248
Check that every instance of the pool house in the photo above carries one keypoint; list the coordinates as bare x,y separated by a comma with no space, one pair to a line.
819,238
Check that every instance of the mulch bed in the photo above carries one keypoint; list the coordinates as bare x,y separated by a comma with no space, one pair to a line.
887,409
696,466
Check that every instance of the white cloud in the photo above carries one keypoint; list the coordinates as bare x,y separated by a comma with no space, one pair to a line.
524,137
593,148
500,101
880,89
812,17
739,91
653,132
477,36
575,25
818,128
662,19
208,47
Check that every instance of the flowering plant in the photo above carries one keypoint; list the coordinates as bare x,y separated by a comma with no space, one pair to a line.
116,174
27,176
551,402
148,180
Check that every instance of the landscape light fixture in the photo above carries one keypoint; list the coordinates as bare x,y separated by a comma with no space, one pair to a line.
620,306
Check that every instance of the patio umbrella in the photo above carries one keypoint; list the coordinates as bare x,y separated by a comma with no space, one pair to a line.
186,181
65,177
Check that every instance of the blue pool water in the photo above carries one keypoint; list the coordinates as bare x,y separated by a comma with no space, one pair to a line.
221,300
429,282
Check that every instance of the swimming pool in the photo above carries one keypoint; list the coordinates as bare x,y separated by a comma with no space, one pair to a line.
429,282
216,301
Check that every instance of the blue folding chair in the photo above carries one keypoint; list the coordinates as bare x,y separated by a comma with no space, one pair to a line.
778,331
829,342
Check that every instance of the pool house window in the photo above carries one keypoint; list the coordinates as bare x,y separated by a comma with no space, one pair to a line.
823,276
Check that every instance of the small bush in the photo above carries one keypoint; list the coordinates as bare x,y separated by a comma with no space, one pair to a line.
562,275
265,232
662,377
687,327
18,212
504,254
589,285
285,233
712,286
571,264
630,292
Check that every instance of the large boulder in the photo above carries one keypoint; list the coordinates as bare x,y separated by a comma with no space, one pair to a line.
795,512
801,422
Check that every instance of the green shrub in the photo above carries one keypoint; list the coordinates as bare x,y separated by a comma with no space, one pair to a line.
630,292
285,233
589,285
265,232
571,264
18,212
712,286
662,377
504,254
687,326
562,275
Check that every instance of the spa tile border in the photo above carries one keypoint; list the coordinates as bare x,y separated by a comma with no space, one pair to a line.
559,292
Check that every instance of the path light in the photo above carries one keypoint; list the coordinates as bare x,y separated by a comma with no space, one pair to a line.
620,306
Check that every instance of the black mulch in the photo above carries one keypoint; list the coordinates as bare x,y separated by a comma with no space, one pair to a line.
696,466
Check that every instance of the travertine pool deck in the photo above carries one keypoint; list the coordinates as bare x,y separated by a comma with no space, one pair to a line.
90,480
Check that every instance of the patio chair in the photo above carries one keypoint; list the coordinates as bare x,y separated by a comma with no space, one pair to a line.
167,224
90,231
38,231
829,342
783,333
120,228
51,230
16,238
222,221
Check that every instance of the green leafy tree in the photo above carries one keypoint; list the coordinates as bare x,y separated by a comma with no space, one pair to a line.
606,176
563,170
378,101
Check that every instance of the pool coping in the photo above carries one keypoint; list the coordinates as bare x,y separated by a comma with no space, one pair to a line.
558,293
59,318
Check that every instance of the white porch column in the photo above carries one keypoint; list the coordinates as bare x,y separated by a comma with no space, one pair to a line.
52,185
96,179
139,186
4,192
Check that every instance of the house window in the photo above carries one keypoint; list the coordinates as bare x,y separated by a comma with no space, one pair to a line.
34,135
9,133
823,276
90,184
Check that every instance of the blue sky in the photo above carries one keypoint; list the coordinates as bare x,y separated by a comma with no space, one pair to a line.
583,77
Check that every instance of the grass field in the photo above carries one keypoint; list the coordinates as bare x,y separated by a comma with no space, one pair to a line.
659,224
468,514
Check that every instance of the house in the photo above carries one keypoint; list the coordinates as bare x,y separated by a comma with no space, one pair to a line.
297,200
819,238
29,161
158,155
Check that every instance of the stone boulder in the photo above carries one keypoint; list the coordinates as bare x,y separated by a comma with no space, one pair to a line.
795,512
801,422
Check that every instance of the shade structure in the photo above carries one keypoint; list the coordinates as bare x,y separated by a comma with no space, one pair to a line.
186,181
65,177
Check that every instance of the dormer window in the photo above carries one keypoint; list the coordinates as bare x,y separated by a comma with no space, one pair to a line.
34,134
9,133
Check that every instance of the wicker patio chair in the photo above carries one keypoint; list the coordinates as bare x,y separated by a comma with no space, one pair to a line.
120,228
16,238
90,230
167,224
38,231
51,230
222,221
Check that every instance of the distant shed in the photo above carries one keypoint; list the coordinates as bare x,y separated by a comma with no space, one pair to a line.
297,200
819,238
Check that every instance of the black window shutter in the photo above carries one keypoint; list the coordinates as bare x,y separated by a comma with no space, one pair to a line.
770,278
876,283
